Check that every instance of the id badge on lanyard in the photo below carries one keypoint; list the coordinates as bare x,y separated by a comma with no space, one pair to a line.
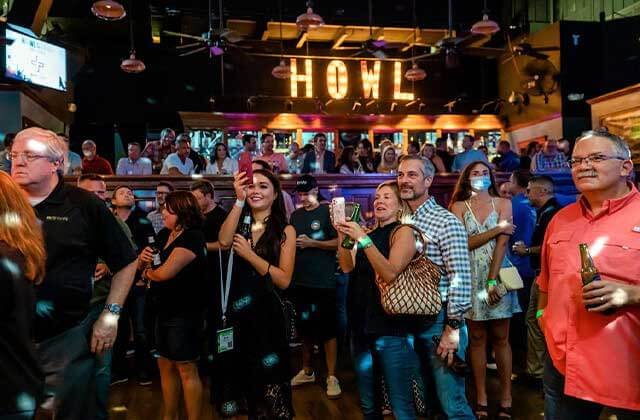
224,336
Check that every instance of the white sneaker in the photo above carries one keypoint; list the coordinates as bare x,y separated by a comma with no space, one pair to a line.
302,378
333,387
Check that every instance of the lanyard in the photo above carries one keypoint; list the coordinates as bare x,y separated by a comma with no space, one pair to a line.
225,288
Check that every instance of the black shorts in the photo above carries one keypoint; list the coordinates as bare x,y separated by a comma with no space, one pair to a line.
316,312
179,337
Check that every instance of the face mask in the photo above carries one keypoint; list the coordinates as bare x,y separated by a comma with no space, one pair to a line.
480,183
87,153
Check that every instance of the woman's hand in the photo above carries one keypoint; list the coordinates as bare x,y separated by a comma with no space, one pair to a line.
493,295
240,184
506,227
146,256
241,246
351,229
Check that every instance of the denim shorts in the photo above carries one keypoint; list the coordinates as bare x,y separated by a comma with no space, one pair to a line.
179,337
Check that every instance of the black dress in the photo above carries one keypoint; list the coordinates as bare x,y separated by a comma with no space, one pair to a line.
254,377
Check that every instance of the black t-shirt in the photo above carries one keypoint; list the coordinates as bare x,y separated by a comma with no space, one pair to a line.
212,224
183,293
447,159
314,267
544,216
78,229
21,373
141,228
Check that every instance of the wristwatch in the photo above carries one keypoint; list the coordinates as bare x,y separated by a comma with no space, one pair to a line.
527,251
454,323
113,308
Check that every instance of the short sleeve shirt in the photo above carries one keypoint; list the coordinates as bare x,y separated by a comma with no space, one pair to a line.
314,267
78,229
173,161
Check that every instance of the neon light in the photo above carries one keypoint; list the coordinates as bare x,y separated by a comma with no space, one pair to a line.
370,80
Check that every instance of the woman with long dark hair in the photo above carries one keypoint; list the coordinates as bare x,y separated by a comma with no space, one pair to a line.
253,371
348,163
22,265
487,219
365,156
221,162
177,284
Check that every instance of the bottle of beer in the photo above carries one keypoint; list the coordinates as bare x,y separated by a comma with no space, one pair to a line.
156,252
245,227
348,242
589,272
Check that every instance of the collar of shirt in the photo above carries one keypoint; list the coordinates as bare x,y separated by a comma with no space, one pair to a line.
56,196
608,206
426,206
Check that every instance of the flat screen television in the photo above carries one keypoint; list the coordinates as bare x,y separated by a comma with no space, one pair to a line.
31,60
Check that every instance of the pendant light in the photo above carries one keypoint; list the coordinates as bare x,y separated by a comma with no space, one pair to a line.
108,10
309,20
485,26
132,64
415,73
281,71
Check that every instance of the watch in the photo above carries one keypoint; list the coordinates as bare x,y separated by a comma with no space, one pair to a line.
454,323
113,308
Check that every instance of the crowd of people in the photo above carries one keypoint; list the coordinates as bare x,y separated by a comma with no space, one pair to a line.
173,155
197,291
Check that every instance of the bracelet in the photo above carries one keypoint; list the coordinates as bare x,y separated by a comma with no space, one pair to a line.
539,313
492,282
527,251
239,203
365,242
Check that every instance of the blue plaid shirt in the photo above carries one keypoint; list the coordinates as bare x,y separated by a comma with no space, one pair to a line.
448,247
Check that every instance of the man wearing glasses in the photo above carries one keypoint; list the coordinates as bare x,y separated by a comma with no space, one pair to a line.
593,355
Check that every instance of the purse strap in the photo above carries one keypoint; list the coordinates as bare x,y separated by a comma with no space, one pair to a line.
415,229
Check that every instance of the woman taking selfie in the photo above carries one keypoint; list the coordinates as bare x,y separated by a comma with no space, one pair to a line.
253,377
176,292
380,341
487,219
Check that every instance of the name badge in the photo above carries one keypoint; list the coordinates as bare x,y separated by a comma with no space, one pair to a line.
636,229
224,339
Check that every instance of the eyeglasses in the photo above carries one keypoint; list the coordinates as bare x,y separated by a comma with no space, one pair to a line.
28,156
596,158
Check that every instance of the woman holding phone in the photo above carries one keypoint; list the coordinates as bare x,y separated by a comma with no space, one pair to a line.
253,366
380,342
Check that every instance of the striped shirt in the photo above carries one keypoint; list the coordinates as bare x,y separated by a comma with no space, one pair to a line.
447,246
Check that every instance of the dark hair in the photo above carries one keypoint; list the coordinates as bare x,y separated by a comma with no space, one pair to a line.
90,177
246,138
268,245
185,206
307,148
204,186
415,145
544,180
345,158
318,135
471,138
441,140
531,146
119,187
267,135
504,143
183,138
215,150
166,184
365,143
522,177
463,190
135,143
265,165
8,140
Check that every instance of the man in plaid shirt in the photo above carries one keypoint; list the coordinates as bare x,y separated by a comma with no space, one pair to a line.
549,159
447,246
158,150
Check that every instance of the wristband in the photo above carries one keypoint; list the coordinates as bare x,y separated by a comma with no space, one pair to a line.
365,242
239,203
492,282
539,313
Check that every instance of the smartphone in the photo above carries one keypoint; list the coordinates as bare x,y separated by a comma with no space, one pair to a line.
338,210
245,165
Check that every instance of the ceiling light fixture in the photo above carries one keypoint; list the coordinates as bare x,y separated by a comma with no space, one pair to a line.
132,64
415,73
281,71
485,26
108,10
309,20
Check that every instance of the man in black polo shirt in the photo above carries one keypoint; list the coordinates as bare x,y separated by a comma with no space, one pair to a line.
541,196
314,282
78,229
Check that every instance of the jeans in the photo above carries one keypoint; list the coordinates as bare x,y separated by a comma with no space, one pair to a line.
449,387
69,368
558,406
342,284
133,316
394,358
536,345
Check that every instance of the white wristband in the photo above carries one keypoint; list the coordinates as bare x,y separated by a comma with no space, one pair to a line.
239,203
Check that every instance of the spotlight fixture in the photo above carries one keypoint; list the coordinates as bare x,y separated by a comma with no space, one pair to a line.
485,26
415,73
108,10
394,105
369,103
309,20
356,106
281,71
132,64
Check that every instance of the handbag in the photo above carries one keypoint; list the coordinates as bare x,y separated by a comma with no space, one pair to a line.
415,290
510,277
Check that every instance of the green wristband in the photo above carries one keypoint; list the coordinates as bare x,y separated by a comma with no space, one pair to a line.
492,282
365,242
539,313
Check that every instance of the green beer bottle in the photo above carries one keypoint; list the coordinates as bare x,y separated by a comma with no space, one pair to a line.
348,242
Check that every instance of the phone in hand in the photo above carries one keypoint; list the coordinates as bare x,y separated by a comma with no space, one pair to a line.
245,165
338,213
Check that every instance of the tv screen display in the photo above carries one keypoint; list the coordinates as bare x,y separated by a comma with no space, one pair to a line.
33,61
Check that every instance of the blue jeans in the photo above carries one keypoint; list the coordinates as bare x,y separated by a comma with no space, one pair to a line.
342,284
449,386
558,406
102,370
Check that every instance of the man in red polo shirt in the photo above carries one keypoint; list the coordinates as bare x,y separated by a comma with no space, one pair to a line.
594,357
92,163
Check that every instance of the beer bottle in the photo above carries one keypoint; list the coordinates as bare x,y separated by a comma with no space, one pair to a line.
245,227
589,272
348,242
156,252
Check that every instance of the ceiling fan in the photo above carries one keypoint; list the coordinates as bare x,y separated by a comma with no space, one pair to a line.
215,42
541,78
452,46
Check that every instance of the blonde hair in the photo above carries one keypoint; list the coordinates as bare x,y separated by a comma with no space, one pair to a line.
404,210
55,147
383,167
20,228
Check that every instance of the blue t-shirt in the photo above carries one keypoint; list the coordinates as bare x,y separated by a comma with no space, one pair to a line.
524,217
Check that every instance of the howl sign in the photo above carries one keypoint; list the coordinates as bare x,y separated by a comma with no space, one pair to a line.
364,80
